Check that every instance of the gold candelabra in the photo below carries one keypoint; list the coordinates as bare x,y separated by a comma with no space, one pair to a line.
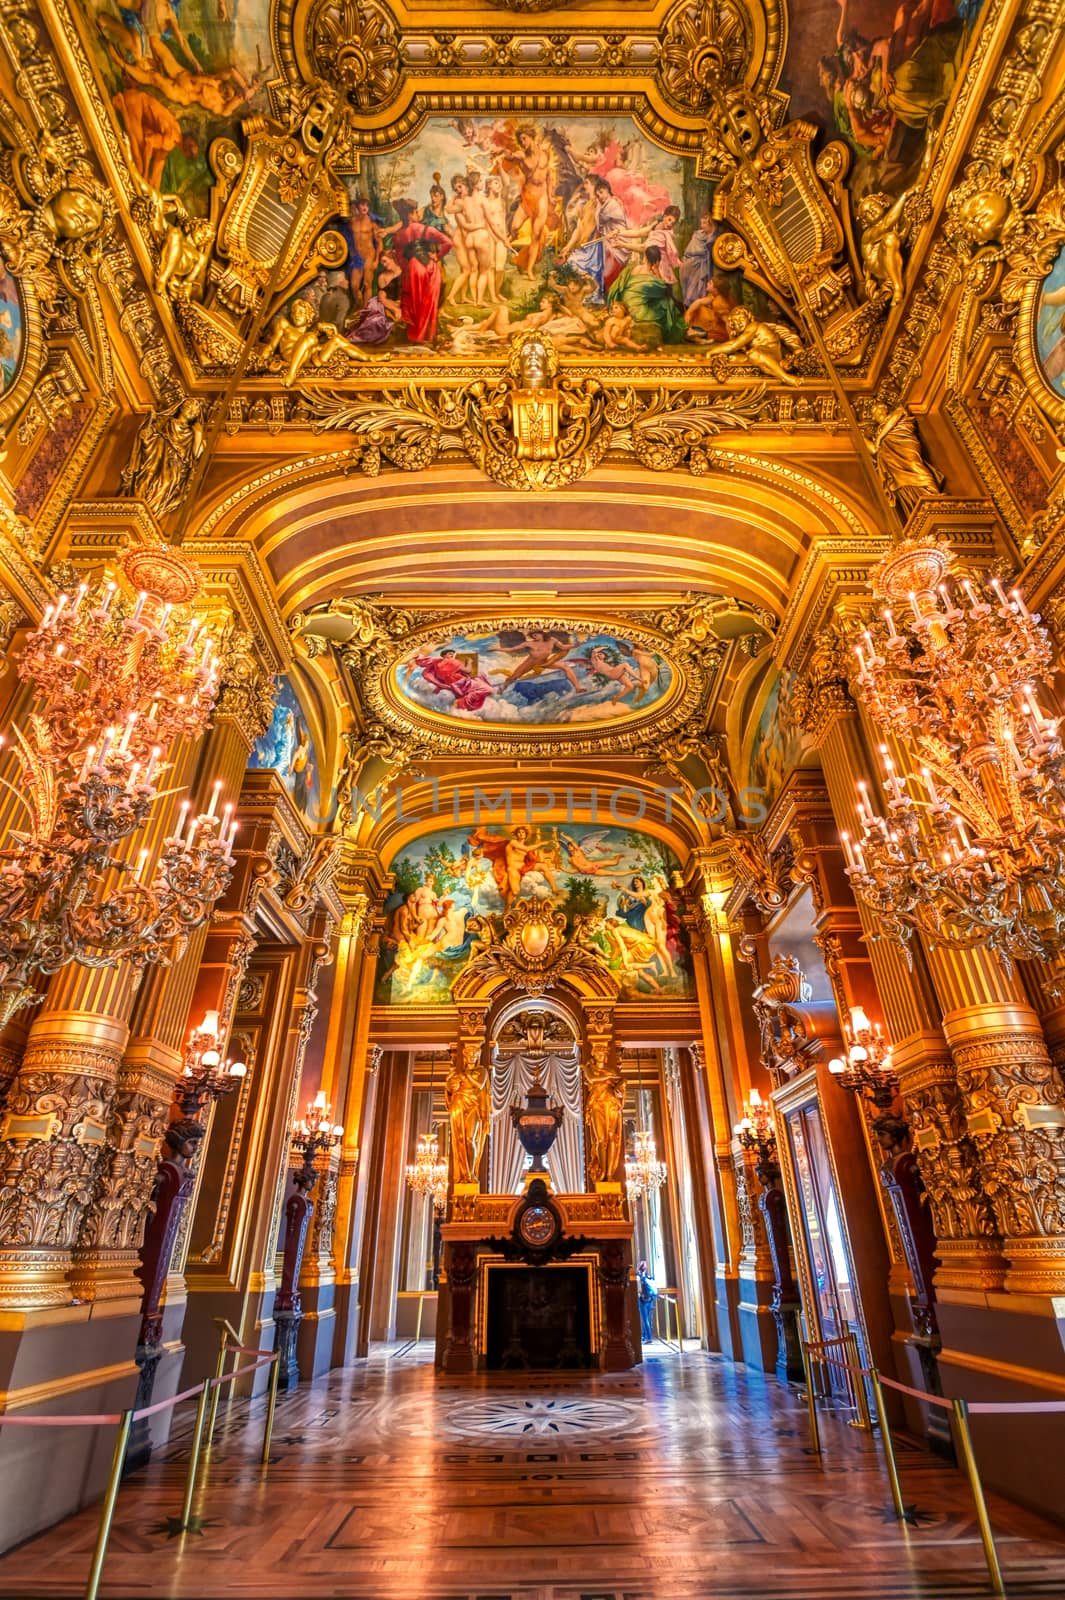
205,1076
972,847
312,1133
116,685
866,1067
756,1133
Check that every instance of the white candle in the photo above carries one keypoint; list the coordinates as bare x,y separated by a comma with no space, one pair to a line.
1019,603
106,598
139,607
929,783
183,817
890,620
87,763
214,797
124,742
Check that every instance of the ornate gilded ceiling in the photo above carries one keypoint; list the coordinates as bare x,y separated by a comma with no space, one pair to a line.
369,197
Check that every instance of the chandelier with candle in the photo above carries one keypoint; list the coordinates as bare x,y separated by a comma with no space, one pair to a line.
644,1173
971,849
427,1174
115,685
205,1075
312,1133
866,1068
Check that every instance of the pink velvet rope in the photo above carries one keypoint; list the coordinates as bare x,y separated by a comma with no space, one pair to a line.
975,1407
95,1419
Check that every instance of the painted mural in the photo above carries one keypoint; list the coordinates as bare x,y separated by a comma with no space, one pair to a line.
12,332
1050,325
288,748
177,72
779,745
879,75
618,877
485,227
535,676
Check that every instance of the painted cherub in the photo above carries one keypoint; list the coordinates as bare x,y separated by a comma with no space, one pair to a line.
617,329
298,337
757,344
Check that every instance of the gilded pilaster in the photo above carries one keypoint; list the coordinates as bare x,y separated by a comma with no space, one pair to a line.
966,1231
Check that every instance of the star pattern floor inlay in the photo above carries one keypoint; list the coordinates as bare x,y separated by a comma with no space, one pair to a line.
687,1479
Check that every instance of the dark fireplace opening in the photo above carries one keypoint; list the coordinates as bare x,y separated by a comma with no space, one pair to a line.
538,1319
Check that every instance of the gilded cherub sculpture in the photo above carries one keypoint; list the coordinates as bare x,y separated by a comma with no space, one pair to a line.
298,337
757,344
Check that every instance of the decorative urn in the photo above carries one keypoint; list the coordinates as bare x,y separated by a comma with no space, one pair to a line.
536,1124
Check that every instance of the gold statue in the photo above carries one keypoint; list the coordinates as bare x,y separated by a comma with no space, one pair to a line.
469,1107
886,228
604,1102
756,344
166,449
298,337
534,404
905,474
184,242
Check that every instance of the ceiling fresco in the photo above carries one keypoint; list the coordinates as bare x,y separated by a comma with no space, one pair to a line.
176,77
532,677
612,883
347,189
879,74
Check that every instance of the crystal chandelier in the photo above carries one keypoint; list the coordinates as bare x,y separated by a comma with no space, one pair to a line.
644,1173
115,687
427,1174
972,849
205,1076
314,1132
867,1064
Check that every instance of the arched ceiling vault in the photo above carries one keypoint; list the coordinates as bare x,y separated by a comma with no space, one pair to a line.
622,537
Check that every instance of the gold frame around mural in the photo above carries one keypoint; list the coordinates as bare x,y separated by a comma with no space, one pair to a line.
33,350
1026,350
383,696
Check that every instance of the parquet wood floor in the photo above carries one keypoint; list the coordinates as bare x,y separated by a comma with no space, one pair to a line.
683,1480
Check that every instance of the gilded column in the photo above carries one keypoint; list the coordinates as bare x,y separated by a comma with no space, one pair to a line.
967,1230
112,1229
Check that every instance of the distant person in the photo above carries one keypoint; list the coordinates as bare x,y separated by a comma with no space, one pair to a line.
646,1294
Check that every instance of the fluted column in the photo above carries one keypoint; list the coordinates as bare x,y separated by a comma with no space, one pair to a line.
967,1233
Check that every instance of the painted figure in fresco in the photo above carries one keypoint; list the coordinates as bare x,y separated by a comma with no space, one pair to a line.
647,295
581,858
368,244
757,344
434,213
1053,361
421,249
697,262
616,330
661,238
607,665
531,157
541,652
447,675
707,317
513,857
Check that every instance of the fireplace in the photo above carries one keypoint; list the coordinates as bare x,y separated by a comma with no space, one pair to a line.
538,1318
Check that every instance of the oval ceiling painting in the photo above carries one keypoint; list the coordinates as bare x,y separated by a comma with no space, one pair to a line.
534,677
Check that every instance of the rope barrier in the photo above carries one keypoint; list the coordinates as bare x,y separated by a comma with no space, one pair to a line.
961,1411
207,1390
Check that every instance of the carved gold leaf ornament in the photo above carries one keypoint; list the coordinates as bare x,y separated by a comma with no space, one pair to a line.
355,48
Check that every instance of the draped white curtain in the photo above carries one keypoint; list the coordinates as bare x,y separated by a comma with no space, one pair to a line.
561,1076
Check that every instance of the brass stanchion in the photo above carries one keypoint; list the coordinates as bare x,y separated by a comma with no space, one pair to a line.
220,1367
271,1406
965,1440
194,1453
107,1512
811,1403
889,1446
857,1382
